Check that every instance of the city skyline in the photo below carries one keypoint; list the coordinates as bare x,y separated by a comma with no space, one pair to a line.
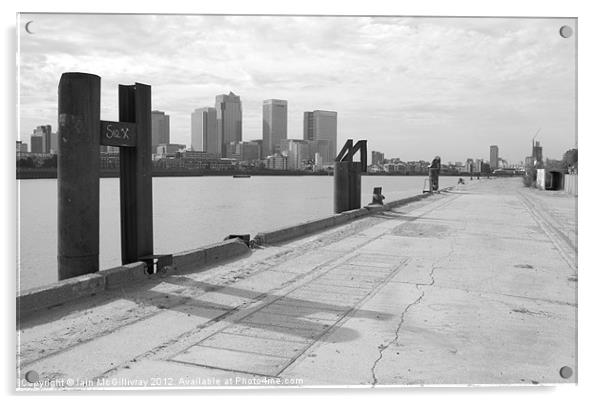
403,84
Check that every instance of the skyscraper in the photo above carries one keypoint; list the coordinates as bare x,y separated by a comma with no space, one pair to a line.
229,120
42,145
274,125
159,129
203,131
537,154
493,157
322,125
37,143
378,157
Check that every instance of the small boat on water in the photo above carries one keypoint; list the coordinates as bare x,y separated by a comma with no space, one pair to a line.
241,176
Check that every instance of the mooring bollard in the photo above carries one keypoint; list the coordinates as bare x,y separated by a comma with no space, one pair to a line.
78,174
377,196
348,186
348,176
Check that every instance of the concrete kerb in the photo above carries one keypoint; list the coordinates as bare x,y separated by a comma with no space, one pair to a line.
314,226
59,292
87,285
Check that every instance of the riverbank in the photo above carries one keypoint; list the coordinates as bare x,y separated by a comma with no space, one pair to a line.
439,291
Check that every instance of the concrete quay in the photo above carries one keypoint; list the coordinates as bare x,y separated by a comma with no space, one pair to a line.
472,286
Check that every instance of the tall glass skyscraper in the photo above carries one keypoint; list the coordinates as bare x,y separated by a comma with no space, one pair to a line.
493,157
322,125
159,129
229,120
275,115
203,131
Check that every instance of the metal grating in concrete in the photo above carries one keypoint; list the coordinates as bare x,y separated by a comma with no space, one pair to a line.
268,340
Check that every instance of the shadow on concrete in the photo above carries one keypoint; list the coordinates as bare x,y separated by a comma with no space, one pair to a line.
306,317
302,318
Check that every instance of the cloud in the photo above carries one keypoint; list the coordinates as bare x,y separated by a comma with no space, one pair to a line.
460,83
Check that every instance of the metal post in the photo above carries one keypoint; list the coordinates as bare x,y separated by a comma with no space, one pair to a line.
136,175
144,168
347,185
127,180
78,174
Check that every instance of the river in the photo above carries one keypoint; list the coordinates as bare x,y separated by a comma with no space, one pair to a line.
189,212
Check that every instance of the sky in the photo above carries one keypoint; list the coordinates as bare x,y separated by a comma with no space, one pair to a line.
412,87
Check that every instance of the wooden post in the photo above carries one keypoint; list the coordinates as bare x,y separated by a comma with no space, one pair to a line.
348,185
78,174
136,175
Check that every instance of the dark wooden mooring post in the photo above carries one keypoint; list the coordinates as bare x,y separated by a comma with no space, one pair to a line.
348,176
78,174
136,191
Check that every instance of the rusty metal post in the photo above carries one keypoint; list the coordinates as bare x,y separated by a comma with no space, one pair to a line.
78,174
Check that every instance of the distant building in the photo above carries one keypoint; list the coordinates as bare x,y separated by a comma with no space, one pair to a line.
375,168
297,152
54,143
398,168
229,120
37,143
378,157
494,153
42,141
159,128
203,130
537,155
529,162
197,155
276,162
275,114
169,149
470,166
322,125
232,151
21,147
243,151
321,147
318,162
260,143
249,151
485,168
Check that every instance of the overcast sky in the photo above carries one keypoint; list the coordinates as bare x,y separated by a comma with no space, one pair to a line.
413,87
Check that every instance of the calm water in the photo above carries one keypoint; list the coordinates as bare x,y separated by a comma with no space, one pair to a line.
189,212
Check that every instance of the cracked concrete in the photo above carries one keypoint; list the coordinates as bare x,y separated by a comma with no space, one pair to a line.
384,347
463,287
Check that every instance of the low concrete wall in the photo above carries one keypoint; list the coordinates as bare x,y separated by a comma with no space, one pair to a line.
67,290
570,184
314,226
210,255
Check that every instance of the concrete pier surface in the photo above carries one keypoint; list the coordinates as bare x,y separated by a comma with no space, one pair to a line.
472,286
